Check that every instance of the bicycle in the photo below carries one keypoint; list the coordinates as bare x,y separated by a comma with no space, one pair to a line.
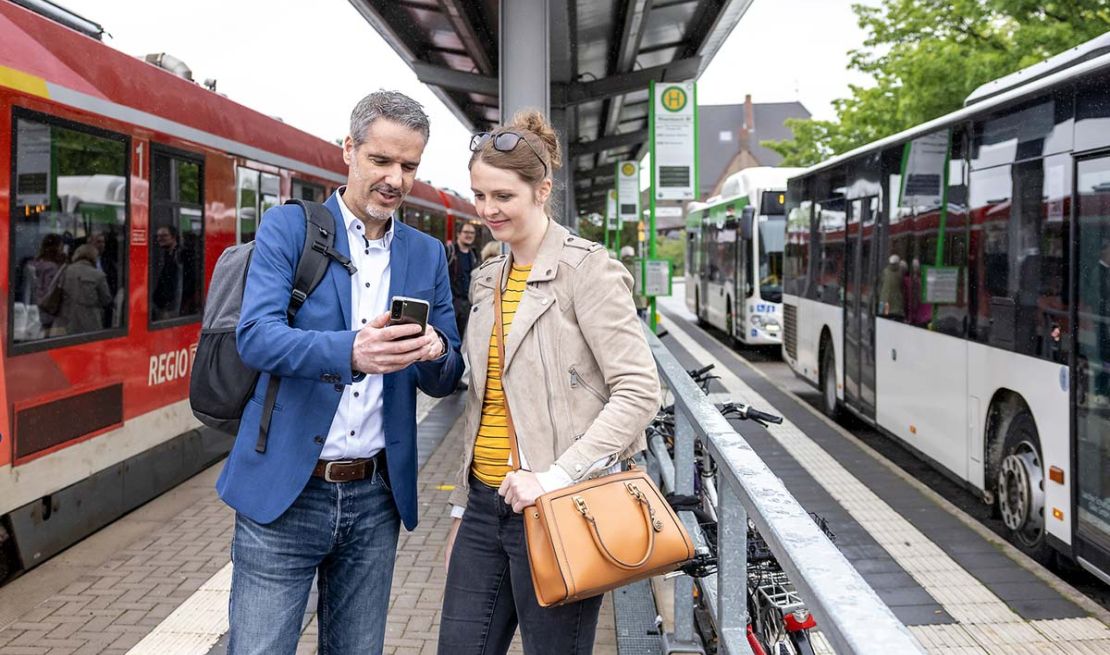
778,620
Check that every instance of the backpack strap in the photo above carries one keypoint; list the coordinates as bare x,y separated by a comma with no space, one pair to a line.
318,251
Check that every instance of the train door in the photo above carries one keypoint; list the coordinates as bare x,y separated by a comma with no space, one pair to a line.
859,317
1091,365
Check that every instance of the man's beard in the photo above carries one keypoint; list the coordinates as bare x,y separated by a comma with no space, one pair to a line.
379,213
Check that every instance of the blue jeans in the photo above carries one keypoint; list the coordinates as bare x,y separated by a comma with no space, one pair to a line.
344,533
489,590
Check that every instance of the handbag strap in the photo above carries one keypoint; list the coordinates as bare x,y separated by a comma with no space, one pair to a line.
499,332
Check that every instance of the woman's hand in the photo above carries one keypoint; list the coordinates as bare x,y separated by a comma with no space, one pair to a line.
451,534
520,489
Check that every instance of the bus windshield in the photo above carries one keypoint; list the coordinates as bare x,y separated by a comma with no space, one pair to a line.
772,239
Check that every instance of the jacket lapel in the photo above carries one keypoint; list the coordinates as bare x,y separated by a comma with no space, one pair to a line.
398,259
341,280
537,299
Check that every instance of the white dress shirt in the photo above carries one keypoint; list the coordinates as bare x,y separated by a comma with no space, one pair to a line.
356,431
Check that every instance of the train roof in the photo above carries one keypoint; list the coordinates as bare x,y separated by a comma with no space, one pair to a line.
1088,62
73,69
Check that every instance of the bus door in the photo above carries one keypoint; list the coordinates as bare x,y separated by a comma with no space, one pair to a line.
859,316
1091,367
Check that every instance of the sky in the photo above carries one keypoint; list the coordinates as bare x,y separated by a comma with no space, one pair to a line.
311,67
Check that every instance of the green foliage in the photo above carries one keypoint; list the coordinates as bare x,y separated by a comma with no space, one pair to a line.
674,251
925,56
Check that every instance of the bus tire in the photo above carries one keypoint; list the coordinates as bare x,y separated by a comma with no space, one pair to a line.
1020,489
829,404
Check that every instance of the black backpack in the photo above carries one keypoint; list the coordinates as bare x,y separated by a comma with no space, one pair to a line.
221,383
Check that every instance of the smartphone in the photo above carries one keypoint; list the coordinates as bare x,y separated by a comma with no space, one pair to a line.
404,311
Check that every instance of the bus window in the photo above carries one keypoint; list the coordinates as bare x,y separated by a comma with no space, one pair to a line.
177,237
830,216
772,243
1093,349
798,228
68,248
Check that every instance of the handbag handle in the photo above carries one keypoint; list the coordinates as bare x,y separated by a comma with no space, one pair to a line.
653,523
499,331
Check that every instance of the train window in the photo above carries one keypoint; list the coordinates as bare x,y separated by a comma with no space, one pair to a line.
69,237
435,224
270,186
308,191
248,204
257,192
177,237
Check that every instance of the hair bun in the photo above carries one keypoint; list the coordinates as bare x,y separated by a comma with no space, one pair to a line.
533,121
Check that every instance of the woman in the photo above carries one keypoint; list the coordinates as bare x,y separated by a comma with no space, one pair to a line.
581,385
85,294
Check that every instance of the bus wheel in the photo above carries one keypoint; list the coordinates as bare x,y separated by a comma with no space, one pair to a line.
1021,489
829,404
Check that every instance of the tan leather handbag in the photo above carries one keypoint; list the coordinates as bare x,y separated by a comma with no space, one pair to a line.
599,534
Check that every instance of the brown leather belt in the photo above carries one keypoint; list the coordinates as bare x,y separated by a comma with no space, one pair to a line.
349,470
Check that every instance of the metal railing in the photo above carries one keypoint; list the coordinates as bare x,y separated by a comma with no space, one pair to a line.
849,613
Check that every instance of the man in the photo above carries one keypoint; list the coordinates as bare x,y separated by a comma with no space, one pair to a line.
462,259
338,473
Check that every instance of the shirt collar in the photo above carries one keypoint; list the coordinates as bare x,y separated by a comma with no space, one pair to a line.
354,226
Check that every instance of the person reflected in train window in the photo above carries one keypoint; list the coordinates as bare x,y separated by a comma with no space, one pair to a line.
166,298
322,491
44,269
190,289
85,295
106,261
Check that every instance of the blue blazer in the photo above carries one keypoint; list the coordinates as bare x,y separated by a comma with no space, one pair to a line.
313,358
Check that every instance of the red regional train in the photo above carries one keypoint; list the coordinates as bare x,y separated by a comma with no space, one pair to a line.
122,184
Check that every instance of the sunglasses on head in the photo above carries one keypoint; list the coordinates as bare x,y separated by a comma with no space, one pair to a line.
504,142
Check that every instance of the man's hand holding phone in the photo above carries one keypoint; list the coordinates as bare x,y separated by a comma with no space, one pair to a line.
383,348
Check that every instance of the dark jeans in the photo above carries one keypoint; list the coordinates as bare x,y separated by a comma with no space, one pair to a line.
346,534
489,590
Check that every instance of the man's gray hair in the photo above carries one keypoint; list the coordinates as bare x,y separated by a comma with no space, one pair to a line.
393,105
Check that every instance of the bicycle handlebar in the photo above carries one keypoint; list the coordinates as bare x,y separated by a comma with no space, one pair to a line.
698,372
762,416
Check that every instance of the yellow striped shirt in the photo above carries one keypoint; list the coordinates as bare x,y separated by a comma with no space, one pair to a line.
491,445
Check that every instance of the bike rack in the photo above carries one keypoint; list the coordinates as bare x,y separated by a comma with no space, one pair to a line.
849,613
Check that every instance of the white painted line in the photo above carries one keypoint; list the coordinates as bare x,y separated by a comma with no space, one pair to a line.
198,623
987,620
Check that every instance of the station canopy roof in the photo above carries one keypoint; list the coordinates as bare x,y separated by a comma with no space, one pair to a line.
603,54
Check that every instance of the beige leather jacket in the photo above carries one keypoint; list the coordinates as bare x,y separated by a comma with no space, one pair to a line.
578,373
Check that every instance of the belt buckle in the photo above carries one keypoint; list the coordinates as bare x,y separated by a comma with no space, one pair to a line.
327,470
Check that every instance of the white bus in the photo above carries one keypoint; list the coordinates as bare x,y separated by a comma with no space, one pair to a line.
951,285
734,256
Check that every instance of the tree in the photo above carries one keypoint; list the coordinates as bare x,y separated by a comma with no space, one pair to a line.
925,56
